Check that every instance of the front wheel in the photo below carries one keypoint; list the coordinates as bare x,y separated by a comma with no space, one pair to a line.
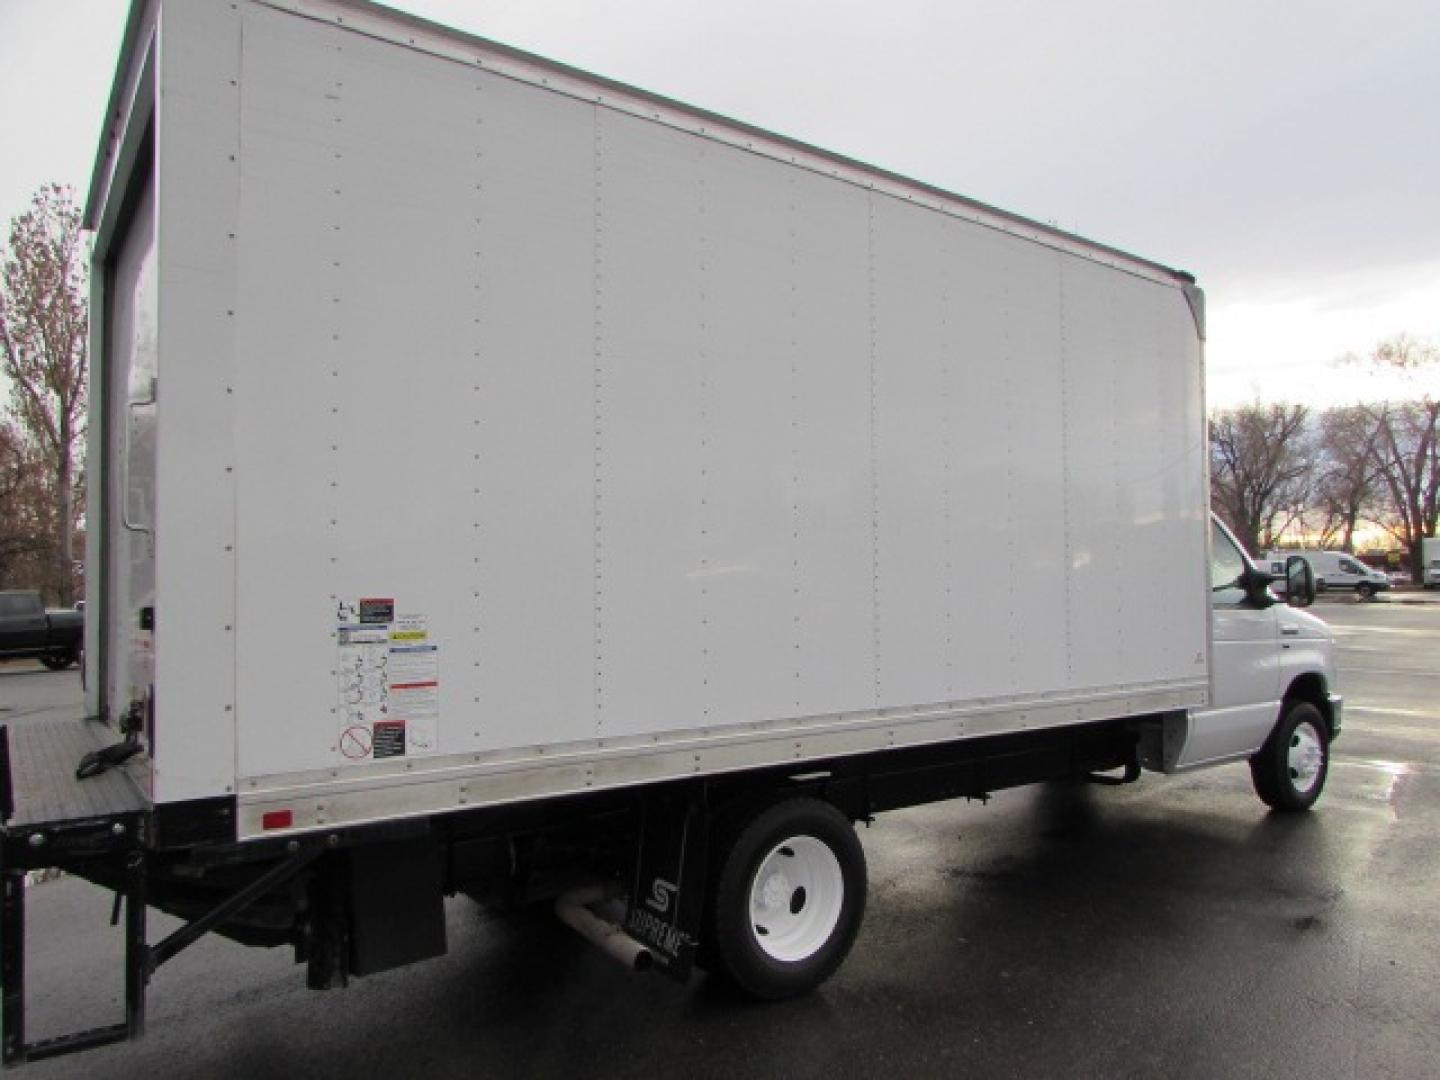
58,661
1365,590
1289,771
790,899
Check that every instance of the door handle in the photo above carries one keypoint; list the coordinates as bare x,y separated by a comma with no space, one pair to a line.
131,408
1290,631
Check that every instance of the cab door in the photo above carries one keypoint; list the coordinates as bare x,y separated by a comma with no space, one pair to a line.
1349,576
1244,665
22,621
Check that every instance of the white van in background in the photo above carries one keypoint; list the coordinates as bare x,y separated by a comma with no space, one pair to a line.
1334,570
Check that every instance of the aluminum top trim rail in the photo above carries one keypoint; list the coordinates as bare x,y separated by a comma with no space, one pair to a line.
397,27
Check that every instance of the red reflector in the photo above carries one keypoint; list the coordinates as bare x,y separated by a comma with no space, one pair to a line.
277,819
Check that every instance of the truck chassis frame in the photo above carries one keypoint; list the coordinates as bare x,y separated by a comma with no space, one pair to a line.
131,849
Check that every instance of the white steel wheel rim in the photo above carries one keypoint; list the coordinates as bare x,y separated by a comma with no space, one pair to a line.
1304,757
795,899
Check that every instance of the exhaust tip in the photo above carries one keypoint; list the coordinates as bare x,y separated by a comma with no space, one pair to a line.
644,960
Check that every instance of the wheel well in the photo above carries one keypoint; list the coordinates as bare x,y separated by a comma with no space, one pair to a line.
1311,687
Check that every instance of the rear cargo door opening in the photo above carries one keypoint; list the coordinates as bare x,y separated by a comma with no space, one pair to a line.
132,384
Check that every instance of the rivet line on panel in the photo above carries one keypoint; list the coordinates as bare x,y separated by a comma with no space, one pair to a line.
597,245
337,360
874,447
477,623
1065,501
947,427
797,630
1117,392
1008,398
706,699
230,249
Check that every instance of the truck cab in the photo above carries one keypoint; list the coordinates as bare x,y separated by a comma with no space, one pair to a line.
1272,679
29,631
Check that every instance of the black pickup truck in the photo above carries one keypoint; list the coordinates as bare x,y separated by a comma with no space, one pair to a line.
27,630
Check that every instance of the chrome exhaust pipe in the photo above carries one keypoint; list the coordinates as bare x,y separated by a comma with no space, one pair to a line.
573,909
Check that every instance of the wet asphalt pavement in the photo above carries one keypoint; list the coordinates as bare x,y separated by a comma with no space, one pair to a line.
1173,928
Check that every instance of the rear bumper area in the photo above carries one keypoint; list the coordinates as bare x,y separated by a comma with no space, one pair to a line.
52,817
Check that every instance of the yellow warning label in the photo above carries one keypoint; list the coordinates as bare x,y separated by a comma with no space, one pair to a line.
408,635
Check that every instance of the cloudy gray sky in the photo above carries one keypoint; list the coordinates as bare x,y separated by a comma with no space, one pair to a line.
1287,154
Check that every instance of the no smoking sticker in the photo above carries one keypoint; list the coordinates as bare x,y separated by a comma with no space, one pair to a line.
355,742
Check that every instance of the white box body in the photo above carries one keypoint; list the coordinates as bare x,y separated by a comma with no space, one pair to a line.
671,446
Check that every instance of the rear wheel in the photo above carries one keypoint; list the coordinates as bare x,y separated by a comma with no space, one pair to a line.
1289,771
790,899
58,661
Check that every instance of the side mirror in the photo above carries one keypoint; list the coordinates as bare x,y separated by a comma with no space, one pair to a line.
1299,582
1256,584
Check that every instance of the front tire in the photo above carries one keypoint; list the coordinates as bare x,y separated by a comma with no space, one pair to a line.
1365,590
58,661
1289,771
790,899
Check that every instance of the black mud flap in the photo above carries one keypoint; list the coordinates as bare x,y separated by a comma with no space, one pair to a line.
667,897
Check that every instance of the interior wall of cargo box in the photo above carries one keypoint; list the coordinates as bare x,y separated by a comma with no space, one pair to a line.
120,550
131,384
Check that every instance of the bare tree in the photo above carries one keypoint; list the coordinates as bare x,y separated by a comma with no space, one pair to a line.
1406,450
43,350
25,533
1348,480
1260,467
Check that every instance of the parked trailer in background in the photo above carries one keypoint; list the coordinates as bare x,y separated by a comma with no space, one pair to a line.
1430,558
511,482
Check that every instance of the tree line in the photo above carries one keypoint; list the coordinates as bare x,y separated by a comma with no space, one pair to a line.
44,343
1292,475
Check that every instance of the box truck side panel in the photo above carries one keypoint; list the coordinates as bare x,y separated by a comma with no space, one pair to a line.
828,385
563,433
758,615
196,179
910,453
535,369
1034,445
287,439
448,463
648,382
1109,340
987,402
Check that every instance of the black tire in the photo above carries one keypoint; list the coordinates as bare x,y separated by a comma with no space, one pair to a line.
1289,771
59,661
804,830
1364,590
1320,585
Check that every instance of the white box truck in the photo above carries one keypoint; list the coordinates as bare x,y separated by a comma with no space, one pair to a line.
506,481
1430,560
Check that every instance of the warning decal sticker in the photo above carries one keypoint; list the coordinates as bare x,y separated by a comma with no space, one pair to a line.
388,674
